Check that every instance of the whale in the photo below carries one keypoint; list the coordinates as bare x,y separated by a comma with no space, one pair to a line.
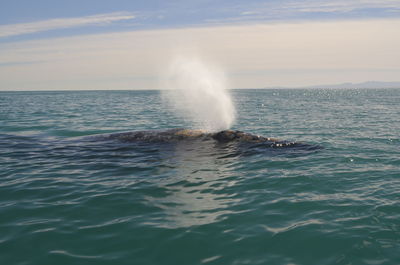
181,135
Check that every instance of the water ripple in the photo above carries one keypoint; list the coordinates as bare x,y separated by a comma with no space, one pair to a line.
66,199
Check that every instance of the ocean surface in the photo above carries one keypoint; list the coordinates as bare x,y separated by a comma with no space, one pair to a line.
66,198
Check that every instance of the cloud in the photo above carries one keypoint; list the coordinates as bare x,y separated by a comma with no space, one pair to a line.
256,55
307,10
61,23
313,10
200,13
339,6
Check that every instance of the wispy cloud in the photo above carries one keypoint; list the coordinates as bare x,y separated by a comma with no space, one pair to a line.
317,9
271,54
61,23
307,10
340,5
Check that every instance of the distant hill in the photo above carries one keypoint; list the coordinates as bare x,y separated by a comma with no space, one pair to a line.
369,84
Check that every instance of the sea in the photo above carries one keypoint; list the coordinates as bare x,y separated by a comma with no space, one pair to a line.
68,198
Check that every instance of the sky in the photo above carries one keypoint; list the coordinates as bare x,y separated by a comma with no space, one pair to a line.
121,44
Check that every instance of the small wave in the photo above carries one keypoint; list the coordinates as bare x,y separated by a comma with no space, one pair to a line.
66,253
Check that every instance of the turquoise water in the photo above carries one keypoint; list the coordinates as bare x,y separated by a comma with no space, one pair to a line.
67,199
